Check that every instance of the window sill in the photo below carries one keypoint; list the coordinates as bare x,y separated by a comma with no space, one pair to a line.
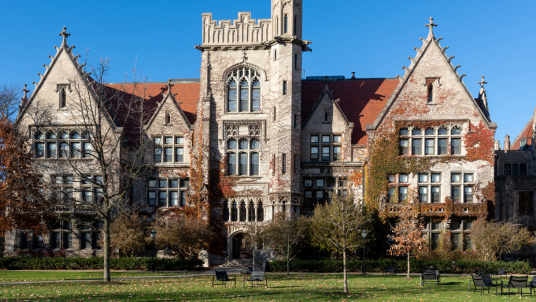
184,164
244,112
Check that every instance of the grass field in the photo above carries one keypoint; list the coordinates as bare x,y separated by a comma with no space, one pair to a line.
296,287
17,276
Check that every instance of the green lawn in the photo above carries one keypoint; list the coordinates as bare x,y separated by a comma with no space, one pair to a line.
302,287
14,276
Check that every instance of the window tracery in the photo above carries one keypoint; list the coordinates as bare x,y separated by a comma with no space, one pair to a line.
244,90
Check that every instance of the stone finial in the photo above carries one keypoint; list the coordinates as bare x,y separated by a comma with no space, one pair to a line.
482,82
169,85
431,26
25,97
497,145
65,35
507,142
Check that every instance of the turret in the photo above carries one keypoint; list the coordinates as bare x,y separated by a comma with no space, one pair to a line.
287,18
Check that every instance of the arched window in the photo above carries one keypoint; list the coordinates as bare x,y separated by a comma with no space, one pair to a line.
168,118
226,212
286,23
244,96
242,211
63,98
231,104
234,212
254,144
256,96
251,216
260,212
248,99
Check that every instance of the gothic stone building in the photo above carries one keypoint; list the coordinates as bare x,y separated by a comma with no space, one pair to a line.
285,143
515,179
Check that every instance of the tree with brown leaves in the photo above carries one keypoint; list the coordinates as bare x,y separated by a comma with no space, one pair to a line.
21,207
491,239
129,235
181,234
408,234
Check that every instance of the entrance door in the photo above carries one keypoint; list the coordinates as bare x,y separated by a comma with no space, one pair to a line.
242,247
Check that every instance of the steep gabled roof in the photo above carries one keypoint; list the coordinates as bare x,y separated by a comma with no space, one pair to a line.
87,80
527,133
429,42
168,97
186,93
361,100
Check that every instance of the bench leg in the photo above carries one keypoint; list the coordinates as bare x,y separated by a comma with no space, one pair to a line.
420,281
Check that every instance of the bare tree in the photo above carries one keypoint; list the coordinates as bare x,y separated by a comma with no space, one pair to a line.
337,227
491,239
9,100
93,146
255,232
285,234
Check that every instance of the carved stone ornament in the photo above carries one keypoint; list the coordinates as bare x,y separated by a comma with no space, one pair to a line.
255,129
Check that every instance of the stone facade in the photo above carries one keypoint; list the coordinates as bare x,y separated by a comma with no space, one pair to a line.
287,143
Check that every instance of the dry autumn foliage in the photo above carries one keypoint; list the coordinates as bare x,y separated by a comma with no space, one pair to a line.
491,239
408,234
181,235
20,185
128,235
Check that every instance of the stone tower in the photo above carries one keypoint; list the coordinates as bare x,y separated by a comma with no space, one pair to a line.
249,112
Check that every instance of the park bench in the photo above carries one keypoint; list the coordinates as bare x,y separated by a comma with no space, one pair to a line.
257,278
532,282
222,277
389,269
519,282
430,276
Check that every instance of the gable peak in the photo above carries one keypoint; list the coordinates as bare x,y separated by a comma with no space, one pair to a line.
65,35
431,29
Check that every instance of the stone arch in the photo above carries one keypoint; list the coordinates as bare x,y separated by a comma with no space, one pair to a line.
239,245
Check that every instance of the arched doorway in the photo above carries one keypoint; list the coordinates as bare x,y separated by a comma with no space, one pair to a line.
242,246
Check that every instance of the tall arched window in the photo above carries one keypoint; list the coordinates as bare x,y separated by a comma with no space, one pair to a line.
251,216
234,212
248,99
244,96
63,98
256,96
260,212
242,211
231,104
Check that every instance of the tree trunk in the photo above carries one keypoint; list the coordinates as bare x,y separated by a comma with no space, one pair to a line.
344,265
106,247
408,266
288,252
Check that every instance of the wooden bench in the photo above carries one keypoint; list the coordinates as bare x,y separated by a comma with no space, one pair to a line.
256,279
222,277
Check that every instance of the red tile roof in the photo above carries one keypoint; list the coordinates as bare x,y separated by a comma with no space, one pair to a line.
187,93
525,133
361,100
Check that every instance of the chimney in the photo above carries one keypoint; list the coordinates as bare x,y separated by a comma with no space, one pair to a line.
506,143
497,145
353,75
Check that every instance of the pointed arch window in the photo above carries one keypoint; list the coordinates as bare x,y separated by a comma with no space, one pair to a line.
260,212
242,211
244,90
63,98
168,118
234,212
251,216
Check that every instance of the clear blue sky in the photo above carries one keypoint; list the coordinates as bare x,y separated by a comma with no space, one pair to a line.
372,38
